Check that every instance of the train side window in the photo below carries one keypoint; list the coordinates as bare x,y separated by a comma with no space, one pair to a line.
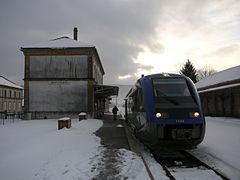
138,100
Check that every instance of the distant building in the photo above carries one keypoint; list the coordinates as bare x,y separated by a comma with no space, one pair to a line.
61,77
220,93
11,96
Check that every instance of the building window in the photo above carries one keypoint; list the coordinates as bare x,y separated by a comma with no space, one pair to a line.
4,105
9,105
5,93
14,106
19,95
19,106
15,94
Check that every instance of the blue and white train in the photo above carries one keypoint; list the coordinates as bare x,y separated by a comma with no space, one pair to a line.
165,111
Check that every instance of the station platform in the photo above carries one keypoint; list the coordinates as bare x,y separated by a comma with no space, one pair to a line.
114,136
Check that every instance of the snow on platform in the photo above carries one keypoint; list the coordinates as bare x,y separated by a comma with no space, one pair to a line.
38,150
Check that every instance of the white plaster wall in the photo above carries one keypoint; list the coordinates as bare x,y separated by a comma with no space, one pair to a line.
58,66
60,96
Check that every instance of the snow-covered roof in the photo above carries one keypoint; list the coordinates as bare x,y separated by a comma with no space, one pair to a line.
59,43
219,88
221,78
8,83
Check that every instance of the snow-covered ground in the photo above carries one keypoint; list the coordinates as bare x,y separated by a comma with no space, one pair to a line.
221,145
37,150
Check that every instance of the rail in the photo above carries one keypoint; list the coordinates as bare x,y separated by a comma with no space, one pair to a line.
181,159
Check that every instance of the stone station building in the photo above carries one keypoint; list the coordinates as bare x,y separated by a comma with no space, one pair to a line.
60,79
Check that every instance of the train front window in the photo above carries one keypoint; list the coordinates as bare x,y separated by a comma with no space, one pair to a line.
172,91
170,87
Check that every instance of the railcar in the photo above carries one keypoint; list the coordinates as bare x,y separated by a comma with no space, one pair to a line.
165,111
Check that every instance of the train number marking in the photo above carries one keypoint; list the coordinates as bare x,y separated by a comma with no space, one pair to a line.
179,121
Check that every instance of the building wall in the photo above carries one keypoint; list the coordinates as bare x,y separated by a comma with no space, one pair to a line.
74,66
58,96
222,102
97,74
10,99
59,82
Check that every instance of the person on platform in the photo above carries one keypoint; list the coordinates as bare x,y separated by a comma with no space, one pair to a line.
114,111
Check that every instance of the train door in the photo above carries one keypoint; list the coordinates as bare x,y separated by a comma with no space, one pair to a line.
139,108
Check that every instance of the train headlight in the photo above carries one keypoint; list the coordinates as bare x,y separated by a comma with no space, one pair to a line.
158,115
196,114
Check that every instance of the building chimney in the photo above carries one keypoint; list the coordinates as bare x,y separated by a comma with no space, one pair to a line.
75,33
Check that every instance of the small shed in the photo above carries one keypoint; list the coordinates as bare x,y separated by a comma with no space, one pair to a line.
220,93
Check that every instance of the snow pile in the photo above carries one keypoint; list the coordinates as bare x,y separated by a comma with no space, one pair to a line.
227,75
82,114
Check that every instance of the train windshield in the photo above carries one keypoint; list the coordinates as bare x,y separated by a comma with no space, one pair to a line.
172,91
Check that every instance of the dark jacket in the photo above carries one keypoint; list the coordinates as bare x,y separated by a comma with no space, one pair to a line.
115,110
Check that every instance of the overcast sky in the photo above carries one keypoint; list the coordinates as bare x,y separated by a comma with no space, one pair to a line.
133,37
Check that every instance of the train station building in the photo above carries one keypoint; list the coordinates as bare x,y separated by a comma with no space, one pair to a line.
64,77
220,93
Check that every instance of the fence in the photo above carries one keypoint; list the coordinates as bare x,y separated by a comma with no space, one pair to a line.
6,117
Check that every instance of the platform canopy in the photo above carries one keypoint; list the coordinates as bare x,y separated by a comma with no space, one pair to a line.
105,90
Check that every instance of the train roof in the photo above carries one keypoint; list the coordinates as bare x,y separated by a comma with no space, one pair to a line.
161,75
152,76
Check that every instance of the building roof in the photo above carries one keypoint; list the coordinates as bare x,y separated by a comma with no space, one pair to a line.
5,82
63,43
222,78
59,43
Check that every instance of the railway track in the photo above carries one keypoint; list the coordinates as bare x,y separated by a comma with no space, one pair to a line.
183,165
177,164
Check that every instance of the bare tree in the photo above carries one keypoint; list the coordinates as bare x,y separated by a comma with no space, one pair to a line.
204,72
